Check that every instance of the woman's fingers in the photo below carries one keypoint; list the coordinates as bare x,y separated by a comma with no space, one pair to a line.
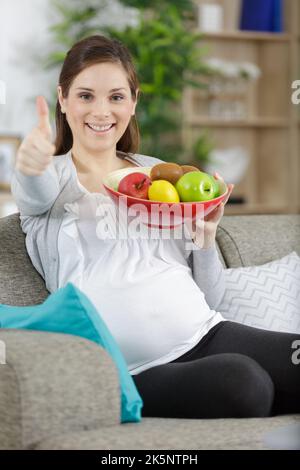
216,214
230,189
218,176
36,150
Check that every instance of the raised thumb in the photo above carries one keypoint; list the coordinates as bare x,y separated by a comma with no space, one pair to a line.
43,116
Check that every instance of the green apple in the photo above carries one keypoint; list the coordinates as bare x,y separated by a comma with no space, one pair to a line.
196,186
216,187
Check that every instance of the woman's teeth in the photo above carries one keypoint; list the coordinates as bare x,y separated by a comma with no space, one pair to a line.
100,128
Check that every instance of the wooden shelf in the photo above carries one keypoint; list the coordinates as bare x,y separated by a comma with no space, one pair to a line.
246,36
263,123
270,131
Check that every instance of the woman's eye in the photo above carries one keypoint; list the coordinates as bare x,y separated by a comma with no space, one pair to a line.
118,96
84,94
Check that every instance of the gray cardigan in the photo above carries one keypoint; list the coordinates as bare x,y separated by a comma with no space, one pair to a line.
40,200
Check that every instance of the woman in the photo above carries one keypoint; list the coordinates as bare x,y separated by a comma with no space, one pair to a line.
158,299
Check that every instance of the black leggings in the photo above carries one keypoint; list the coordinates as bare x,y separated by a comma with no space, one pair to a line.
234,371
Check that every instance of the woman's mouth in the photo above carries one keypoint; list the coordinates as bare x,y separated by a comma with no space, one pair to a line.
100,129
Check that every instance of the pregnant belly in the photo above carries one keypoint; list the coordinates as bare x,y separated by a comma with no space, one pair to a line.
149,319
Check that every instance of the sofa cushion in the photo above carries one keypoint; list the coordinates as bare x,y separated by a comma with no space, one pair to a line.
266,296
69,311
171,434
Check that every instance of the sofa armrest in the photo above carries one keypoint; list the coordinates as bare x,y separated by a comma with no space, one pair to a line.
52,384
247,240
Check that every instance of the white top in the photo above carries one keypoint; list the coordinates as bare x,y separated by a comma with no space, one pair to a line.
143,288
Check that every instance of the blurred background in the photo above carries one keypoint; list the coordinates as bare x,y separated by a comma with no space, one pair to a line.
216,80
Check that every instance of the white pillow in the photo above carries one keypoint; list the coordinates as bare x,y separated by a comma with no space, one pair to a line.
265,296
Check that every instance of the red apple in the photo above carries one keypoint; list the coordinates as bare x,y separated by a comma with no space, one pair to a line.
135,184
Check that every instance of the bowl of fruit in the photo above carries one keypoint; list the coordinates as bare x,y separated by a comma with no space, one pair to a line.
166,194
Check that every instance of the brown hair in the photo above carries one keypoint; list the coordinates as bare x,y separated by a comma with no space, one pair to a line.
89,51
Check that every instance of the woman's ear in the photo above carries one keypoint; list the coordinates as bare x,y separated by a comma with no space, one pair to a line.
60,98
136,100
59,94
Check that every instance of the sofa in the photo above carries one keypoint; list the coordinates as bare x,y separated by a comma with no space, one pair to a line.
59,391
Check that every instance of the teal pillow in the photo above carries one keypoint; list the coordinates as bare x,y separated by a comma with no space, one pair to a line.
68,310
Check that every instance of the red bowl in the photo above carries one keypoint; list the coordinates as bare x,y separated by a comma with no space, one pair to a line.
155,213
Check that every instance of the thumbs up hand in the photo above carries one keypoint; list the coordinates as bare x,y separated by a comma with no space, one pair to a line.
43,115
36,150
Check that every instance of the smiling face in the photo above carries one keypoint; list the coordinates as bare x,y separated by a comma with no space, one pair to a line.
99,96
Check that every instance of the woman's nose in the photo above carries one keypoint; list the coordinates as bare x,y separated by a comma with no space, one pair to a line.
101,108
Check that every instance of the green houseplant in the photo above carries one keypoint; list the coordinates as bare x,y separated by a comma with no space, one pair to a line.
166,56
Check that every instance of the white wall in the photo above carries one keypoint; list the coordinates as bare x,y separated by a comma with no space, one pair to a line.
24,39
